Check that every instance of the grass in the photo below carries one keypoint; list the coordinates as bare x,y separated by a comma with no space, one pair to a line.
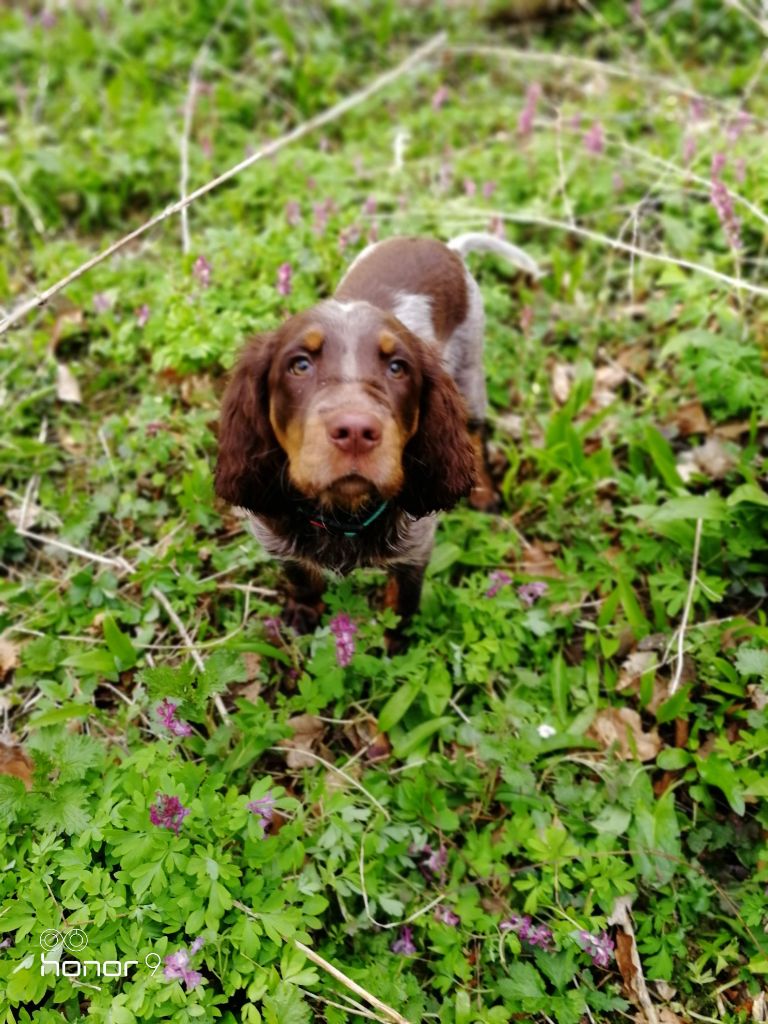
450,826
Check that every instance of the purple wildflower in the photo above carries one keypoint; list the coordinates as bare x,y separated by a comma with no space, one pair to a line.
594,139
723,203
534,935
264,809
197,945
166,712
432,862
599,947
689,148
404,944
489,187
272,626
530,592
470,187
446,916
719,160
321,212
439,97
292,213
369,206
142,315
698,108
499,579
6,943
284,275
201,268
528,113
168,812
349,236
102,302
738,125
344,629
177,966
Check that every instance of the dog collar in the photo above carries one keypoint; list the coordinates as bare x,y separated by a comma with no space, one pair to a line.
343,523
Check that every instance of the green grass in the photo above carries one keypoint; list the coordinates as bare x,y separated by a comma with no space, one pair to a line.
519,759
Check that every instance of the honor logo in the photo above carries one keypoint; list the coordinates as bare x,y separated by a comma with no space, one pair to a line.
53,943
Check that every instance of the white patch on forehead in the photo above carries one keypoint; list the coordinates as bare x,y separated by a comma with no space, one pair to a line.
415,311
348,313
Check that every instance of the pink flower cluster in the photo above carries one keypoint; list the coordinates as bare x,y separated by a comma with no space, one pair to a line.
177,965
168,812
201,268
499,579
284,279
534,935
723,202
529,593
344,629
528,113
166,712
264,809
599,947
404,945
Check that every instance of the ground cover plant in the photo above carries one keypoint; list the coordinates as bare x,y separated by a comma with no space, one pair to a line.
553,806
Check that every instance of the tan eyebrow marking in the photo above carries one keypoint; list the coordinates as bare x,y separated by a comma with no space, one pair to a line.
387,343
313,339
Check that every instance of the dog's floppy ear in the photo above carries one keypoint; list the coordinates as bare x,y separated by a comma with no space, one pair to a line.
250,465
439,460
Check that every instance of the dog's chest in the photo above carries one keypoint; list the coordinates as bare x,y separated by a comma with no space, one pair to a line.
398,540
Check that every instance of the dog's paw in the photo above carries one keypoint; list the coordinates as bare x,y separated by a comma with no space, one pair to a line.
303,618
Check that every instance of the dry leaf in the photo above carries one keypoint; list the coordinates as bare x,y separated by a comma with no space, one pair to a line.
537,559
714,459
760,1007
667,1016
613,726
634,668
364,735
307,732
690,418
13,761
560,381
67,388
9,658
628,960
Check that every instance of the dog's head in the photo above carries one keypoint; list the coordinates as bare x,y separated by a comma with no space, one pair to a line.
342,405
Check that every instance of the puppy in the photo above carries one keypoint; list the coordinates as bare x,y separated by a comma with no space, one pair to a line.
344,429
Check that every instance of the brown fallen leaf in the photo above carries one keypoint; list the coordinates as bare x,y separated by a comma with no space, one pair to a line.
9,658
714,459
690,418
634,668
536,559
561,379
67,388
364,735
13,761
628,960
612,727
307,733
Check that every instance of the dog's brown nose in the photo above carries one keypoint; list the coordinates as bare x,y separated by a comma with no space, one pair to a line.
355,432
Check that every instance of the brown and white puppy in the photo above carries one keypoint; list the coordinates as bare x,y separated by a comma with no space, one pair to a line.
346,427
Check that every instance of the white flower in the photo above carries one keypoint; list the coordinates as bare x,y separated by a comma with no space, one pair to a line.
545,731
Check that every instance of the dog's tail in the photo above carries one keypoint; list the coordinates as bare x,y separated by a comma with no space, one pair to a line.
480,241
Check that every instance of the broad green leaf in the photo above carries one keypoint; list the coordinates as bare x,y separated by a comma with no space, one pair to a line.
412,740
120,646
398,703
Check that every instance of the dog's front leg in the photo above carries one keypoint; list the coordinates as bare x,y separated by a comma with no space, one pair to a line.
402,595
304,604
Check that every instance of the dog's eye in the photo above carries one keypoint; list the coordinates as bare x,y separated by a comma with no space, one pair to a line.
300,365
397,368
